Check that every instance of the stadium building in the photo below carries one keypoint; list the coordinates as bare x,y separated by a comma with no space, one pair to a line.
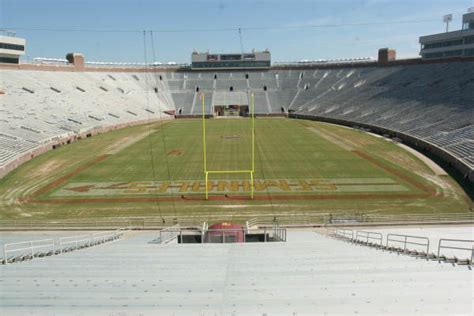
11,48
429,119
253,60
450,44
237,186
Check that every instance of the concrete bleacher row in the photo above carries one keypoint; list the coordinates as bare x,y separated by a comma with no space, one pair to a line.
310,274
41,109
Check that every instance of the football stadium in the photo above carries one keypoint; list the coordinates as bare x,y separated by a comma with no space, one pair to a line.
234,184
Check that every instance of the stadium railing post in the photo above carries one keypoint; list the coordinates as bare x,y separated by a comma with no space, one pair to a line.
472,255
5,253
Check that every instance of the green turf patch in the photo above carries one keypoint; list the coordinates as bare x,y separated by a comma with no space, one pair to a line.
166,160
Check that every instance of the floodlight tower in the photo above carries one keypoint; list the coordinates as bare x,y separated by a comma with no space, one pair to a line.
446,19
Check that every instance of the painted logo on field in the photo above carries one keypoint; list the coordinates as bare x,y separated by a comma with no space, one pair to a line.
230,186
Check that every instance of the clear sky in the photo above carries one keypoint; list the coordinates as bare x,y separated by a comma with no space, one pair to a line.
299,29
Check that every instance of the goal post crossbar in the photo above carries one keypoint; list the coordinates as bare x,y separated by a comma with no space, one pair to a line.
208,172
227,171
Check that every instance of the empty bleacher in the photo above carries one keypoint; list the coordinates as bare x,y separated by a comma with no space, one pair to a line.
39,107
430,102
307,275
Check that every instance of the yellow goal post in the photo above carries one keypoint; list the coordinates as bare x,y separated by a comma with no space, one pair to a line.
207,172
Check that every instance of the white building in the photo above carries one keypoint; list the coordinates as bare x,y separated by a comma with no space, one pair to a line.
11,48
450,44
252,60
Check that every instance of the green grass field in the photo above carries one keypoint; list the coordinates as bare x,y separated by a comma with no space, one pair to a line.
300,166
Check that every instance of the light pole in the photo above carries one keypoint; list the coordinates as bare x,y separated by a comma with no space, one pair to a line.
446,19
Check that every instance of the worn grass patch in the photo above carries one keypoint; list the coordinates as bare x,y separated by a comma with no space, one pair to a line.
300,166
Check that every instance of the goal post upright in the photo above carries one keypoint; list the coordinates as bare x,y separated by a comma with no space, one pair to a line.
250,171
252,113
207,193
204,152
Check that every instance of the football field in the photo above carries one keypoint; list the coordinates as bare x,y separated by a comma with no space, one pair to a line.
299,166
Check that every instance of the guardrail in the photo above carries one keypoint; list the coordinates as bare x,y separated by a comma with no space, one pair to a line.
296,219
365,237
368,236
307,218
409,240
74,242
169,233
99,224
205,227
345,233
239,235
270,234
252,222
223,235
357,218
444,240
279,234
418,218
101,237
29,249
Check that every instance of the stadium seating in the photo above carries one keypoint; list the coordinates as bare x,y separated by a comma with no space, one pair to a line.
429,102
309,274
43,107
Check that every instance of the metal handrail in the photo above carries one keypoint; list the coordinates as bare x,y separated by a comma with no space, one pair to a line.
345,233
107,234
79,240
89,240
278,234
406,241
297,218
75,240
31,247
471,249
223,233
252,222
368,235
205,227
169,233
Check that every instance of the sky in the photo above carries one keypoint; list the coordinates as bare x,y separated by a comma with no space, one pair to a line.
112,30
